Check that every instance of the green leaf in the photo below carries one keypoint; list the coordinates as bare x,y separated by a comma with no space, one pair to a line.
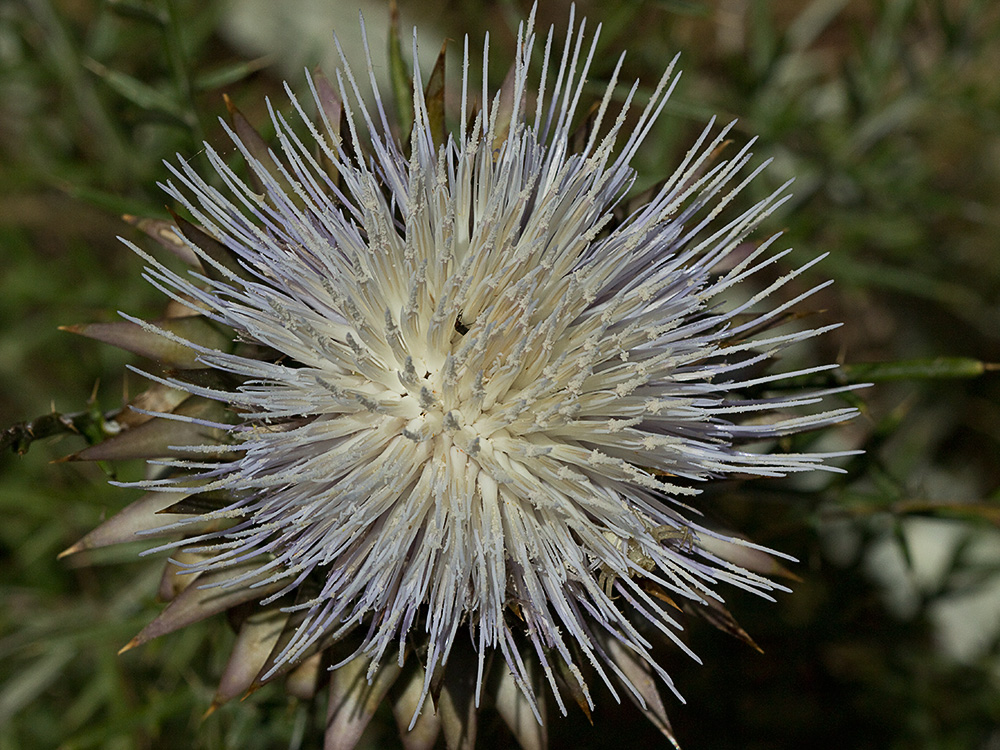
981,511
141,94
34,680
103,199
138,11
763,40
916,369
230,74
814,19
434,98
402,84
684,7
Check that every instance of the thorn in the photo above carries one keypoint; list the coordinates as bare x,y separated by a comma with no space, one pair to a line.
717,152
78,547
129,646
664,597
211,710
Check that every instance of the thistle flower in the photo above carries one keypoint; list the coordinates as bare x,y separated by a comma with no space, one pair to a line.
438,410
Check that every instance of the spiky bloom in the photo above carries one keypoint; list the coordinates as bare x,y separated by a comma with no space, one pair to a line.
473,389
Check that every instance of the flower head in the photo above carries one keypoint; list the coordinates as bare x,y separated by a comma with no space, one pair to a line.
458,393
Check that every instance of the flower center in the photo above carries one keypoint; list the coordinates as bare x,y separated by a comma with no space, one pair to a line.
436,421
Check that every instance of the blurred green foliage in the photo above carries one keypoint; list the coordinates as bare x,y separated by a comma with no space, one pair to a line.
887,113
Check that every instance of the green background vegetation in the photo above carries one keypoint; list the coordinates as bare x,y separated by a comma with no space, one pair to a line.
888,115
